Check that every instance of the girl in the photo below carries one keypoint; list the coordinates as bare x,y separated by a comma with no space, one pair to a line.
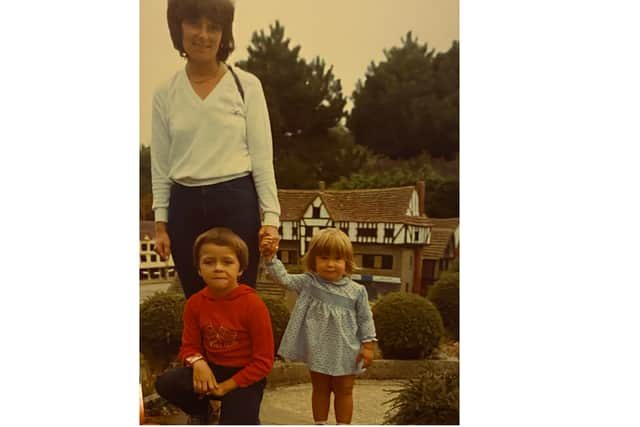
331,327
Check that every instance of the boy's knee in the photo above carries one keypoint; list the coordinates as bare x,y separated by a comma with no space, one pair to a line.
171,382
161,384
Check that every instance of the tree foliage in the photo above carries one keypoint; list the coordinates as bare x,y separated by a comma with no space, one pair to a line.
303,98
315,158
408,326
408,103
305,104
442,192
146,200
445,295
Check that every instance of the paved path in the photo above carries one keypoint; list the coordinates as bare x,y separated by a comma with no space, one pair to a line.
291,405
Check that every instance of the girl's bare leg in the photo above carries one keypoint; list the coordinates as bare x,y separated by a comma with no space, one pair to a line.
342,387
320,396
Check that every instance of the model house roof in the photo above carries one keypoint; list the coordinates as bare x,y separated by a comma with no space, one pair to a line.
451,223
388,205
442,234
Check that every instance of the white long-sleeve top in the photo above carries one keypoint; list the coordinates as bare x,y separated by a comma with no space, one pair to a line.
197,142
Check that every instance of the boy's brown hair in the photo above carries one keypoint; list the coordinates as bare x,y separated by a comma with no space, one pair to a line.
222,236
330,241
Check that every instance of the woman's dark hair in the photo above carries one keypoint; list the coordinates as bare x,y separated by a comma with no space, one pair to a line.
219,11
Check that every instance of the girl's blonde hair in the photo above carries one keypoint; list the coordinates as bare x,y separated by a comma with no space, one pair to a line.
332,242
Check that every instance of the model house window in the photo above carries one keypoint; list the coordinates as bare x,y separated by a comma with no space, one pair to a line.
144,246
288,257
308,231
387,262
345,230
316,212
416,236
366,232
154,258
388,233
379,262
152,247
143,258
294,231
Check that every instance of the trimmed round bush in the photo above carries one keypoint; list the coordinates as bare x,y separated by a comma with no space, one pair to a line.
445,295
408,326
279,314
161,327
432,398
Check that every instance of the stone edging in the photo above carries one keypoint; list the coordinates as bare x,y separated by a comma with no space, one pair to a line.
289,373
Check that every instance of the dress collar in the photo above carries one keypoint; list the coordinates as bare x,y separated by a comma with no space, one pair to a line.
340,282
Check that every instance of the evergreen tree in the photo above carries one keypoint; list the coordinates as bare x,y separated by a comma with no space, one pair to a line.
303,99
408,103
305,102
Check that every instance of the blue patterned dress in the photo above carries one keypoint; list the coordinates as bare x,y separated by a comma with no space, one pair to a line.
328,323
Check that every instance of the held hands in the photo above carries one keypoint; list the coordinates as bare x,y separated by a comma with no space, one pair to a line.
269,240
366,355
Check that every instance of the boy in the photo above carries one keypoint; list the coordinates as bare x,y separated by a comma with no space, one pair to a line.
227,342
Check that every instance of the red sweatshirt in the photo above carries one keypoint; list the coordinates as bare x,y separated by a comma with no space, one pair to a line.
234,330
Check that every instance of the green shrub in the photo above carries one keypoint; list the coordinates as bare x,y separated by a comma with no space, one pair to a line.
408,326
161,327
432,398
279,314
445,295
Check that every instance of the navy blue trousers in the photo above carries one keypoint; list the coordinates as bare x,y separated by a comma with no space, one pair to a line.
239,406
194,210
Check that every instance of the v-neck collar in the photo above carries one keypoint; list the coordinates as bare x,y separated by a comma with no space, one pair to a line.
193,92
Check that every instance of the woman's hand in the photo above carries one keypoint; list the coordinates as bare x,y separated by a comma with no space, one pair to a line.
268,247
269,238
163,243
203,379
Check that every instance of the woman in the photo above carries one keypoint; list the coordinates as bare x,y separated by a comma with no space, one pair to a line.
211,148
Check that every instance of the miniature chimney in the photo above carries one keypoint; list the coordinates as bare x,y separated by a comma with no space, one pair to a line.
420,188
321,185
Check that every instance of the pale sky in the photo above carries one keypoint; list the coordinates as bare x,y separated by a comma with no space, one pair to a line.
347,34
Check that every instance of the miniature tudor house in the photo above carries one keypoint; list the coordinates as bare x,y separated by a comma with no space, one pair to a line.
443,249
152,267
397,248
388,228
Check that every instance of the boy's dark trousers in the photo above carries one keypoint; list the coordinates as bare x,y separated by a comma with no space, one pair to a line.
194,210
239,406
